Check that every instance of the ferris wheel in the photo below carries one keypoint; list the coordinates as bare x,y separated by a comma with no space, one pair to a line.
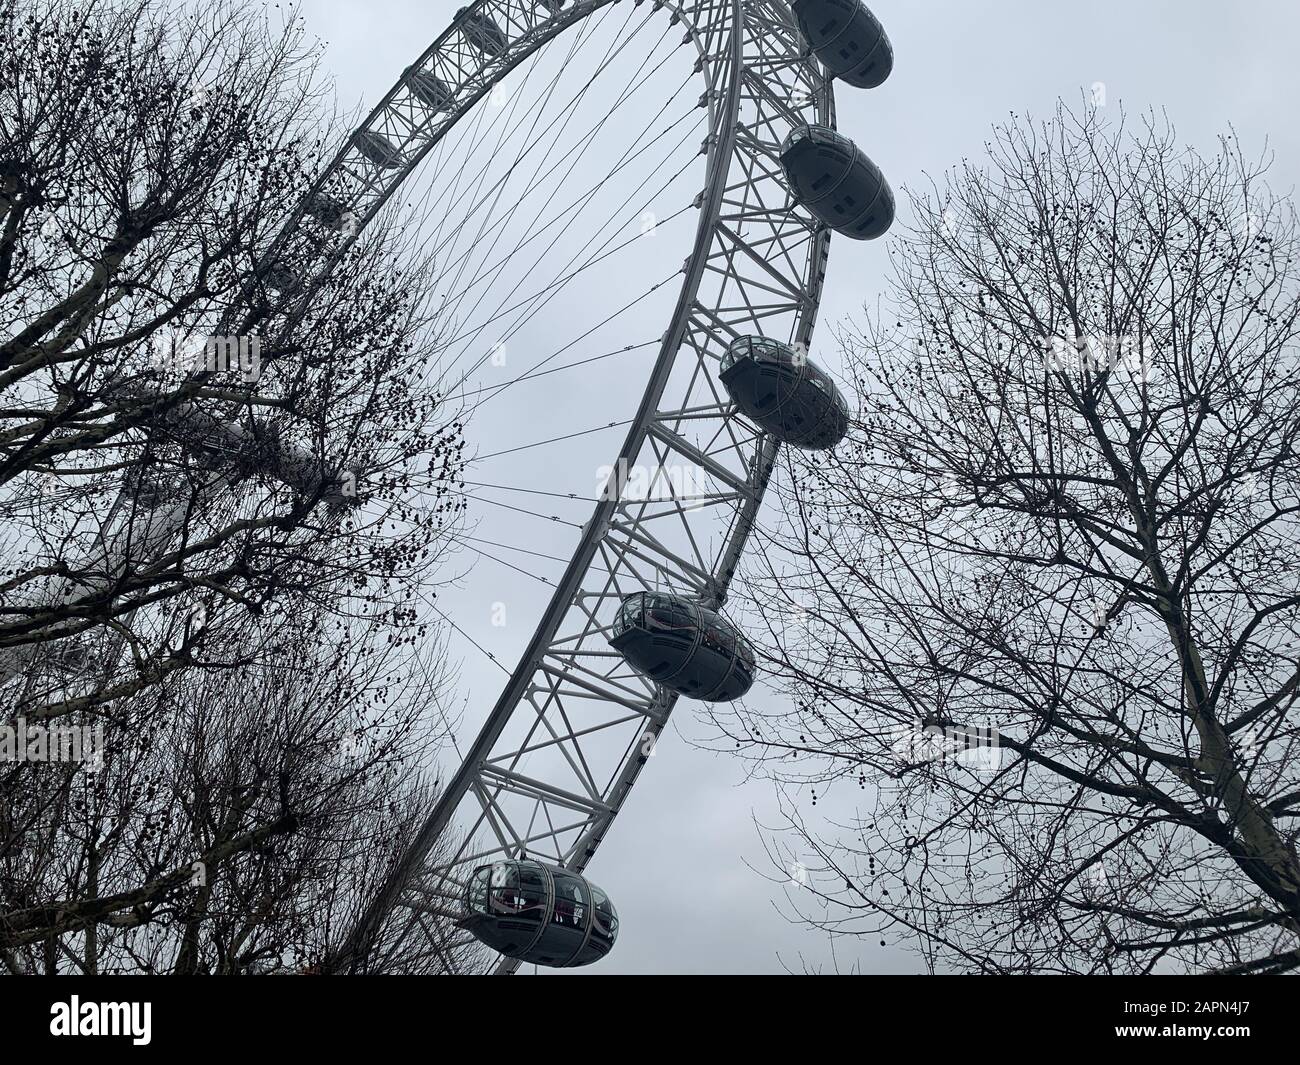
635,616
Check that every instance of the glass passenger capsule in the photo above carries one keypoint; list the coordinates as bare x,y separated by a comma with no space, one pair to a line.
378,149
279,276
848,40
539,913
837,183
430,90
785,394
683,646
483,33
326,210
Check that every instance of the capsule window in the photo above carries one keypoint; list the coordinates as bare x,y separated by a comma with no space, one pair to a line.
480,890
663,612
745,651
759,350
716,638
524,894
630,614
605,926
671,618
571,905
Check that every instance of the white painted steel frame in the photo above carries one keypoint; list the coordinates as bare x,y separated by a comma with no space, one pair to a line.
559,752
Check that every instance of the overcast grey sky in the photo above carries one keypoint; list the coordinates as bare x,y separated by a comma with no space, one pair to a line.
678,862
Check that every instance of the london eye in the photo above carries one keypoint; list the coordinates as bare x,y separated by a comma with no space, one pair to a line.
739,92
636,619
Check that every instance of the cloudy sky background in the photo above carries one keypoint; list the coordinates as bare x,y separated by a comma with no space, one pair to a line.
685,863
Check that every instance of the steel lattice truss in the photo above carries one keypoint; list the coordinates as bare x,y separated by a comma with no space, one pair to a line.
566,740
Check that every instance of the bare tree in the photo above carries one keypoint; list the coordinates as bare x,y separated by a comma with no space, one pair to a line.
149,157
1041,606
239,821
217,568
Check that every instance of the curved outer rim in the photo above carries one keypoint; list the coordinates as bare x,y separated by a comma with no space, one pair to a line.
749,53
